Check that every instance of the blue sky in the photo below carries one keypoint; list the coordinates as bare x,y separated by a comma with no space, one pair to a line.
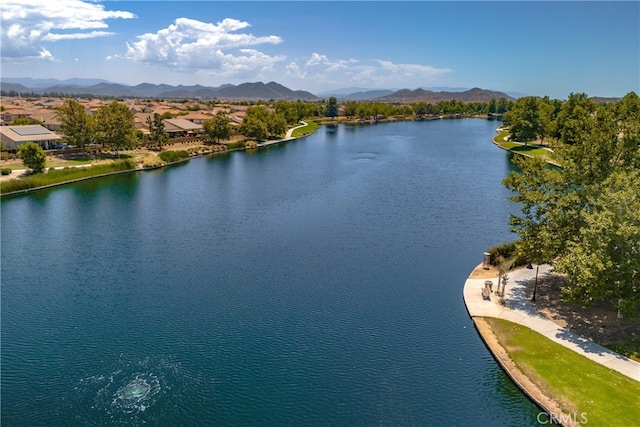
534,48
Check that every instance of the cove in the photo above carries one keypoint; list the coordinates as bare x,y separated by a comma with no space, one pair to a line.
318,282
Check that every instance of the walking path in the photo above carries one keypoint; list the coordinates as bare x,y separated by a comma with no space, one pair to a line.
519,310
287,137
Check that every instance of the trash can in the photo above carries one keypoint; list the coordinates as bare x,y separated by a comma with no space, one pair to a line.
489,285
486,260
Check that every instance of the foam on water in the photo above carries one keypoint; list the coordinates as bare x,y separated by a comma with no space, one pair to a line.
137,394
130,392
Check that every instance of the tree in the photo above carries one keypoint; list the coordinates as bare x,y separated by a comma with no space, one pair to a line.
115,126
350,108
33,156
504,105
575,110
603,261
156,129
420,109
276,124
332,107
254,127
524,120
25,121
77,125
584,219
218,128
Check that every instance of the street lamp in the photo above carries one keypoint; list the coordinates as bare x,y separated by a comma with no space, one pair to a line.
535,285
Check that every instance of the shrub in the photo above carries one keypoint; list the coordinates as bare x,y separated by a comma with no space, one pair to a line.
235,145
5,171
173,156
33,156
506,251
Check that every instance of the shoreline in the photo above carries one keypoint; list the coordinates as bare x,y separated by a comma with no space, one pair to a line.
517,309
288,137
265,144
509,150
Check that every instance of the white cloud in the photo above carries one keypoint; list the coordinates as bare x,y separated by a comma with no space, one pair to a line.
28,23
76,36
320,69
211,48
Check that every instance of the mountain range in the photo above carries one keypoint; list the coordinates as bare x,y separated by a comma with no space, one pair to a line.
244,91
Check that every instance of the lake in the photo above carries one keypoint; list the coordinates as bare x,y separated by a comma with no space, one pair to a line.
317,282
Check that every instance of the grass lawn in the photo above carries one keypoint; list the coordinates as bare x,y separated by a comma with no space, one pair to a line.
533,150
605,396
309,128
63,175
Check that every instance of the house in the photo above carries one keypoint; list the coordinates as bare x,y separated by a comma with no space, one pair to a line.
197,117
13,136
48,117
16,113
181,127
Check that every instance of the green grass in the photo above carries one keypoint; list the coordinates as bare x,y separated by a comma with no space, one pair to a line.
63,175
605,396
533,150
500,137
309,128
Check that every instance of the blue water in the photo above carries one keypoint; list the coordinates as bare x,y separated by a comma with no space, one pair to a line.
317,282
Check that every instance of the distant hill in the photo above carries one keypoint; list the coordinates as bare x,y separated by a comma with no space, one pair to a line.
259,90
603,100
422,95
16,87
244,91
366,95
44,83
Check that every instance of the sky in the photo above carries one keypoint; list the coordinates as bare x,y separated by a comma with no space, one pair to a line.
532,48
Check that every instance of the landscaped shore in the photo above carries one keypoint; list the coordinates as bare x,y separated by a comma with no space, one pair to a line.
571,378
128,161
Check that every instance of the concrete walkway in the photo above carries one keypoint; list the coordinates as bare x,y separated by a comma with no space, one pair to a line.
519,310
287,137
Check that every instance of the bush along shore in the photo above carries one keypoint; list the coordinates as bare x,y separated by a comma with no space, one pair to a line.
55,177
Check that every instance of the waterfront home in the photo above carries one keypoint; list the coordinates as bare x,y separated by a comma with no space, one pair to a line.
14,136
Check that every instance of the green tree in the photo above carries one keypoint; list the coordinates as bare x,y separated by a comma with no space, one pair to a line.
115,127
276,124
350,108
332,107
492,108
25,121
503,105
421,109
33,156
157,132
76,123
254,124
525,123
218,127
574,111
603,261
584,218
